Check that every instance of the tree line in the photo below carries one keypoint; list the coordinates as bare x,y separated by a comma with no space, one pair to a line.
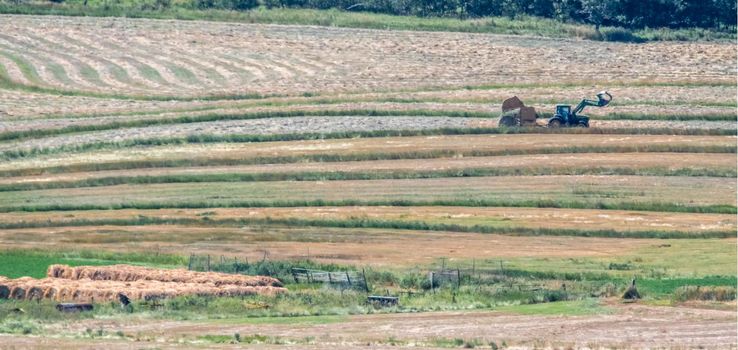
631,14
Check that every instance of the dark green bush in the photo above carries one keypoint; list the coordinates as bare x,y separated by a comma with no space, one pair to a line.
619,34
239,5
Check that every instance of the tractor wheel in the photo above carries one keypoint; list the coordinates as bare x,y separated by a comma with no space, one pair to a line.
582,125
554,123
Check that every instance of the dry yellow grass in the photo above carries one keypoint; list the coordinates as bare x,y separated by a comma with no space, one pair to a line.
372,247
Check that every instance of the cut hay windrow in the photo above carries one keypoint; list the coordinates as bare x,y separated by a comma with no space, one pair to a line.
87,290
128,273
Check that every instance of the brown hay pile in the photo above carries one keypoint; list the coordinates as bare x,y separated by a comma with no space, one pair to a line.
87,290
138,273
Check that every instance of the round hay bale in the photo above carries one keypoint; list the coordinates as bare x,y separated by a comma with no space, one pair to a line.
18,292
4,291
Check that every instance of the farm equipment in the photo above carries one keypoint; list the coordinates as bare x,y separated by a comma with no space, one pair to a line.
516,114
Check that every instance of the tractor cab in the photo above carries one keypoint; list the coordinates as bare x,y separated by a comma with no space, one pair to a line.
563,111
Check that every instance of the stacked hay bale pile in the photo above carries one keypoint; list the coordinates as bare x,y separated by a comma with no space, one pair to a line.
105,283
515,113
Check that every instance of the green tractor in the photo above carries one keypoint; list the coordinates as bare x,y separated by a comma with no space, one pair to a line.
566,117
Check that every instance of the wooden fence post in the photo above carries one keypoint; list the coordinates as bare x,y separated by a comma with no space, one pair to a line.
366,284
348,278
208,262
189,263
458,278
433,289
294,275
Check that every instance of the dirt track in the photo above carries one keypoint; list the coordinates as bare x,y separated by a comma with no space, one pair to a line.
626,327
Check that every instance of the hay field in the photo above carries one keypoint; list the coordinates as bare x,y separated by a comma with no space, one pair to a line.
372,149
185,58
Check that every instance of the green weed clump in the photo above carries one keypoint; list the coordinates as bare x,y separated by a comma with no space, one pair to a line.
704,293
663,287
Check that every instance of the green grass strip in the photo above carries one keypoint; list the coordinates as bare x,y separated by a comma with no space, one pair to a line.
371,223
638,206
27,69
717,117
365,175
240,138
354,157
17,263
